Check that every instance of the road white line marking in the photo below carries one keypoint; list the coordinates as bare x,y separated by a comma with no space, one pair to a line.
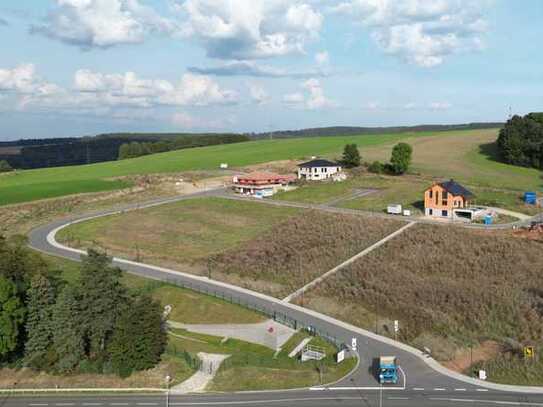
64,404
38,404
252,402
497,402
481,390
118,404
439,389
92,404
459,389
398,398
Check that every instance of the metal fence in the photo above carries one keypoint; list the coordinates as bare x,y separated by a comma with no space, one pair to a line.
268,311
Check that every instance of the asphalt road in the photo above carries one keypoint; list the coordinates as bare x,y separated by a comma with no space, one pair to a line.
280,399
420,384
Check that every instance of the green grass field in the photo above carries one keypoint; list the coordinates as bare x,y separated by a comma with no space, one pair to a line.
186,232
22,186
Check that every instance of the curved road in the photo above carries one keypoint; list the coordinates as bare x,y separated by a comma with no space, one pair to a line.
424,381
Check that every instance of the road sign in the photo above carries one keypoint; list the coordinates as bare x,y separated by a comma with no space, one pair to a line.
353,344
529,352
340,356
396,326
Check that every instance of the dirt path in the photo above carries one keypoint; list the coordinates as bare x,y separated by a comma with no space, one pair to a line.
463,360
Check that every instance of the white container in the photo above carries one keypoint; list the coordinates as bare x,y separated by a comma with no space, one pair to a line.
406,212
394,209
224,166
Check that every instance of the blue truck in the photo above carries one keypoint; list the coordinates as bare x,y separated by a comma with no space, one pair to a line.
388,369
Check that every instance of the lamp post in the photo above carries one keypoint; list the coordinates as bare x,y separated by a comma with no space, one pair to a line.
168,379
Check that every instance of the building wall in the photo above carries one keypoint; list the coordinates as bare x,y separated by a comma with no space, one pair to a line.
317,173
440,203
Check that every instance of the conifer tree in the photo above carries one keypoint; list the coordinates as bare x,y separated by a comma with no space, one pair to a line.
41,297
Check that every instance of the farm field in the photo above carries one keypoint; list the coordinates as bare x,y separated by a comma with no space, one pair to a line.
243,243
429,287
22,186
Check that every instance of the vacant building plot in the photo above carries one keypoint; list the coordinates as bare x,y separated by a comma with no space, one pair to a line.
183,233
449,288
294,252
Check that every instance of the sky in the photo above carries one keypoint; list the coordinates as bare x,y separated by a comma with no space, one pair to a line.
82,67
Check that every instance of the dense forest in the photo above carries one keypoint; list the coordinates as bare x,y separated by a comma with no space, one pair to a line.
94,324
521,141
28,154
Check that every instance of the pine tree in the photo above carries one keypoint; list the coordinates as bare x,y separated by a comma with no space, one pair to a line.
139,339
102,297
12,314
68,340
41,298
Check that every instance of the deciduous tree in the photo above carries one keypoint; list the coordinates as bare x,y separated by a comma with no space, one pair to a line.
401,158
351,156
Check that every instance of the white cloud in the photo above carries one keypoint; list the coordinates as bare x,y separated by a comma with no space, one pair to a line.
23,79
244,30
95,90
421,32
102,23
313,99
440,105
259,95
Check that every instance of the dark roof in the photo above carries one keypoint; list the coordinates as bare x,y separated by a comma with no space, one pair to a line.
318,163
456,189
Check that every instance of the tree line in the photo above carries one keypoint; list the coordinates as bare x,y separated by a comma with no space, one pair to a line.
137,149
521,141
92,325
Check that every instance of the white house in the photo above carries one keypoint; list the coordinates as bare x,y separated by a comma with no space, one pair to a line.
318,169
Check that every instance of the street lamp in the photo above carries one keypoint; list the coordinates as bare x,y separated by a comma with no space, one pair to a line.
168,379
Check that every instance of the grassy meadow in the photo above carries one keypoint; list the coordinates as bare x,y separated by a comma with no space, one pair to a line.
185,232
465,155
240,242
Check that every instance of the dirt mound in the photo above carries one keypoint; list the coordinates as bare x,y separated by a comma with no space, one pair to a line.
465,358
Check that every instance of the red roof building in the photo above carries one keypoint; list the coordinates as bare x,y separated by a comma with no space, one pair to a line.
262,184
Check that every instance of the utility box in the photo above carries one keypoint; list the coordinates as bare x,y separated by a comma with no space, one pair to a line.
530,198
406,212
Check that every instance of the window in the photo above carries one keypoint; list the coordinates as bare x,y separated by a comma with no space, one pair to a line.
430,211
437,198
445,214
430,193
444,197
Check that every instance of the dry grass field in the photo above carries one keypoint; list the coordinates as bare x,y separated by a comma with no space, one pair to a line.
449,288
183,233
300,249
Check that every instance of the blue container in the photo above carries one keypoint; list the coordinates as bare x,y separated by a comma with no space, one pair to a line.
530,198
488,220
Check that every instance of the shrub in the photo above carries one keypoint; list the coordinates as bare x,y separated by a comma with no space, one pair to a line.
401,158
376,167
